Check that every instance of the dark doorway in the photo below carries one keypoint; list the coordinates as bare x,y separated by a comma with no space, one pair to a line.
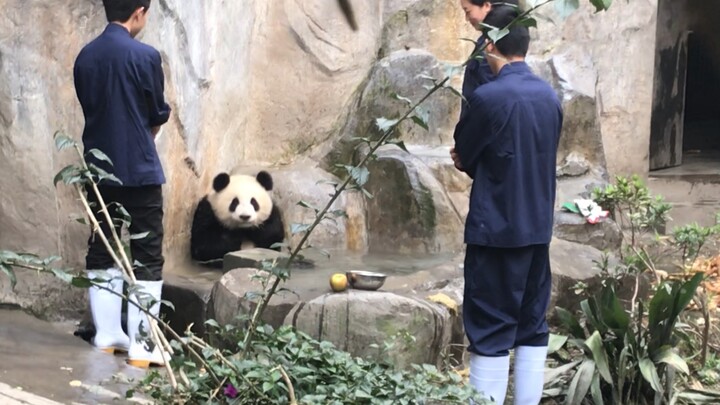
685,123
702,99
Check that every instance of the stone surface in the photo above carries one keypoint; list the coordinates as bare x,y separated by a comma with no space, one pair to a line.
355,319
623,91
580,149
456,183
230,298
572,227
410,210
189,298
396,82
250,258
426,24
306,182
277,84
574,165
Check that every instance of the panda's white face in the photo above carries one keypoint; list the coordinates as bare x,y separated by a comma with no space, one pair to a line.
242,203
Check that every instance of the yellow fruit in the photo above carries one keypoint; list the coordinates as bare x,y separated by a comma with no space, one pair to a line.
338,282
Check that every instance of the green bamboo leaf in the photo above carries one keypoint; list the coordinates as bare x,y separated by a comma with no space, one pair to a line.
649,373
299,228
7,255
497,34
66,172
566,7
63,141
359,174
168,304
403,99
528,22
668,356
595,344
81,282
99,155
580,383
400,144
601,5
62,275
306,204
385,124
8,271
420,121
424,116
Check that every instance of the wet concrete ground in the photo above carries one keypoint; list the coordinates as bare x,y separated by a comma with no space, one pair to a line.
45,359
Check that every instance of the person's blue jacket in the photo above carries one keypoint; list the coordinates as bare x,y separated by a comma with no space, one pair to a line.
119,82
477,73
507,143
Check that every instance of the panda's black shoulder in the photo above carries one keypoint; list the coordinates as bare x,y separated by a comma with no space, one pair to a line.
204,214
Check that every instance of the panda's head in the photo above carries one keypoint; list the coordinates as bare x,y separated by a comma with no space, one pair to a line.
242,201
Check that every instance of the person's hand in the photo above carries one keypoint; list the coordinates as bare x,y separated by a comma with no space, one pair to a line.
456,159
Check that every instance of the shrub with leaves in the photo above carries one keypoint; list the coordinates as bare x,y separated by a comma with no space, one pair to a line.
629,358
284,366
631,205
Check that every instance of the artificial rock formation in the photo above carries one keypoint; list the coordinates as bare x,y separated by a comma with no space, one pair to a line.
283,85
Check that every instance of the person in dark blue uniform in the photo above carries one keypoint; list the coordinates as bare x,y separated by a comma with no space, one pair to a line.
120,83
507,143
477,70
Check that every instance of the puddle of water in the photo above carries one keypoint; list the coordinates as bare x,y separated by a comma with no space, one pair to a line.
337,261
46,359
314,280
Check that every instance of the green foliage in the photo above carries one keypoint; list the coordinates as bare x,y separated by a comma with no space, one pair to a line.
318,372
631,206
628,358
629,200
691,238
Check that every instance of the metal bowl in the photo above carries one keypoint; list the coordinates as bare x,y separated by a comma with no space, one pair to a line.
365,280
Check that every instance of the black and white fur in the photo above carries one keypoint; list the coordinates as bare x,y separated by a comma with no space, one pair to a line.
238,213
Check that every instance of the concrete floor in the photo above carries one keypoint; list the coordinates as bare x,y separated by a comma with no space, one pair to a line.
693,188
45,359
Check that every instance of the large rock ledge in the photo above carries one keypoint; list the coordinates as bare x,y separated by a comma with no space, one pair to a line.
402,312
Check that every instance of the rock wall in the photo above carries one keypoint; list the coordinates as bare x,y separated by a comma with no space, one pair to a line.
608,56
281,85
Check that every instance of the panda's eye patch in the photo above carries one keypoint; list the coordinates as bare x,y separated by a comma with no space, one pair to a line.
255,204
233,205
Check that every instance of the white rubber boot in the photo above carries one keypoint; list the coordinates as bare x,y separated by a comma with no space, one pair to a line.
106,309
143,353
489,375
529,373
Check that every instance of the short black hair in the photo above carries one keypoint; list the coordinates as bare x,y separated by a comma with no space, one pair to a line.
517,41
121,10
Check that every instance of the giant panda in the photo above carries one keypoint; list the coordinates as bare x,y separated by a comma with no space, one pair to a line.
238,213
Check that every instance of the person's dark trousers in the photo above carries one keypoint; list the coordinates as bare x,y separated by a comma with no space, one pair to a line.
507,292
145,207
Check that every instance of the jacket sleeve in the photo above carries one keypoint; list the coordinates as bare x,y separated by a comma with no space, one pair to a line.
154,88
473,134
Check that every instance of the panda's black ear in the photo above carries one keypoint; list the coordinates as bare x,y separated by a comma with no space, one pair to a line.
221,181
265,180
